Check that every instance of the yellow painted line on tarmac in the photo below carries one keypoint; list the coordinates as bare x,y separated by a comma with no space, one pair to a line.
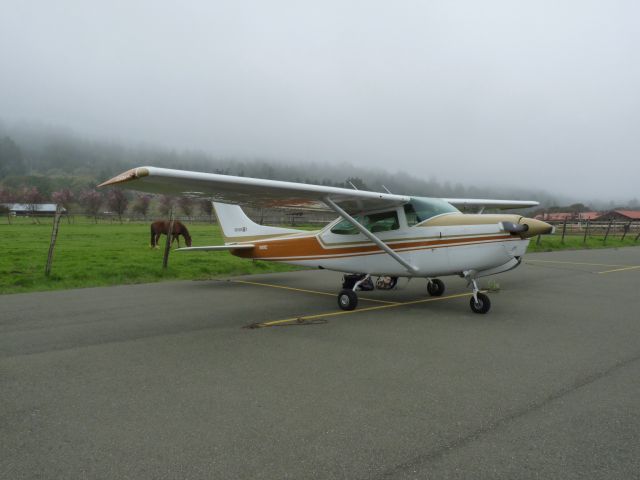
317,292
621,269
575,263
305,318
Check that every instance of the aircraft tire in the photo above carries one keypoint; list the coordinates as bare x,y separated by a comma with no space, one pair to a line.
347,299
435,287
483,305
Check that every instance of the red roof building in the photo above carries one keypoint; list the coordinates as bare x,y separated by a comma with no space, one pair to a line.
624,215
588,215
556,217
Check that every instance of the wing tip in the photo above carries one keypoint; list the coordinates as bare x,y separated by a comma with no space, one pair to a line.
127,176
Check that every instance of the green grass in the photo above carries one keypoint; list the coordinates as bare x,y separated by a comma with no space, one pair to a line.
89,254
550,243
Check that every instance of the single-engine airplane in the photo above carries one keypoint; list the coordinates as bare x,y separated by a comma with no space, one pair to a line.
376,234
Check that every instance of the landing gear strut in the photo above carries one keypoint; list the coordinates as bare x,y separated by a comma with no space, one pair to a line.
479,302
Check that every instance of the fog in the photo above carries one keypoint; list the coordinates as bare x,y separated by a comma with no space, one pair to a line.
542,95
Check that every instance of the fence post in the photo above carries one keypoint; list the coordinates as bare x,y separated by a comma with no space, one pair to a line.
586,232
625,230
54,237
564,229
167,246
608,228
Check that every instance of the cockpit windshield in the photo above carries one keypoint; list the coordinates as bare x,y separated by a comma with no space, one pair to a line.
421,209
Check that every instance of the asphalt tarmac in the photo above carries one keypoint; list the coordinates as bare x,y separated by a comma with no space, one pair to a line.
161,380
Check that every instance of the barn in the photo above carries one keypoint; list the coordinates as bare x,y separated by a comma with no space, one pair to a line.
39,209
620,216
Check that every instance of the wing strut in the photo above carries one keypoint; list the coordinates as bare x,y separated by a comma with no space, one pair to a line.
370,235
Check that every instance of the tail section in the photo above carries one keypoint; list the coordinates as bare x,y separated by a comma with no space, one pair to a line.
237,227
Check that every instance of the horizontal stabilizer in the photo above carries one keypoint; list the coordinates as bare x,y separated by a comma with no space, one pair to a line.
213,248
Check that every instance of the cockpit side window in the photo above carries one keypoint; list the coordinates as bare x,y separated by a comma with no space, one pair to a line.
374,222
421,209
345,227
411,215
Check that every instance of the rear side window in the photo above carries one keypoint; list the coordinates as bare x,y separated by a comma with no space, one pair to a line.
374,222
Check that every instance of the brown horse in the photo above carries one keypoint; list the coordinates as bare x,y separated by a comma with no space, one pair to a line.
161,227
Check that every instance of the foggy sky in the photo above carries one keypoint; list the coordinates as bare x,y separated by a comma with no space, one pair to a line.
540,94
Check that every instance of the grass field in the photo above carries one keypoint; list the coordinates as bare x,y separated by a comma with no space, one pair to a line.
89,254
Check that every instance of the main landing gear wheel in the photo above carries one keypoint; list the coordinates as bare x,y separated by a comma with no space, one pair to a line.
482,305
347,299
435,287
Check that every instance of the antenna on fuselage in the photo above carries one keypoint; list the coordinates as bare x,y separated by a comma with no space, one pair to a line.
388,191
354,187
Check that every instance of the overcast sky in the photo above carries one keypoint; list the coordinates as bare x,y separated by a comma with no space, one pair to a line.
538,93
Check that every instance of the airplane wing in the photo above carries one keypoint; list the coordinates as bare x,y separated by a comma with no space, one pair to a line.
257,192
462,203
253,192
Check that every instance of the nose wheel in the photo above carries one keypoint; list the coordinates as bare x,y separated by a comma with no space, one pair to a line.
479,302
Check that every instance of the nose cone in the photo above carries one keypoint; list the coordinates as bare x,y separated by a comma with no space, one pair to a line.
536,227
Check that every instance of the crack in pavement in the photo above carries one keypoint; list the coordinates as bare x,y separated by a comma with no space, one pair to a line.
443,450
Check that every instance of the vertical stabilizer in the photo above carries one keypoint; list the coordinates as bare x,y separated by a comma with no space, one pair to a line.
237,227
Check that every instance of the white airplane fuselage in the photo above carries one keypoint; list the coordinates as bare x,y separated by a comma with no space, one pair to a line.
471,242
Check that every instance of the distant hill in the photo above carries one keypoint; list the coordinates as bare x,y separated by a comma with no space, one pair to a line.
52,158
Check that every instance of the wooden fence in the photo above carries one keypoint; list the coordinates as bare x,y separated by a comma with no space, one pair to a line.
607,229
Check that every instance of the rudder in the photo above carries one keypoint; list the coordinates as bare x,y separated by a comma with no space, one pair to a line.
237,227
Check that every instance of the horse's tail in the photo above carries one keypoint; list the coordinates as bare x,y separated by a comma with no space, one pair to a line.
237,227
153,236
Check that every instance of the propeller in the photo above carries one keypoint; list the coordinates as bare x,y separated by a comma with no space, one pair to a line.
514,228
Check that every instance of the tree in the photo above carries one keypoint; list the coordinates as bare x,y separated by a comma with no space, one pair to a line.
32,197
118,202
186,205
4,210
206,207
166,204
64,198
355,182
6,196
11,160
141,205
92,201
578,207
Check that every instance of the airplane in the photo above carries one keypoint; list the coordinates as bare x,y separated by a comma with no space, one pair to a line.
376,234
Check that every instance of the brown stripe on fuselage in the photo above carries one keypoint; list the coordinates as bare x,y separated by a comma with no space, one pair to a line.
310,247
